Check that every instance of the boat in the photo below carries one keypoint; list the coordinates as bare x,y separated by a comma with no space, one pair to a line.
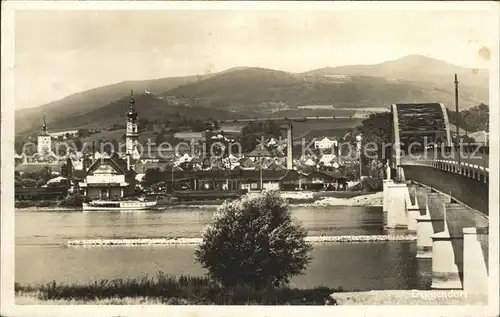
120,205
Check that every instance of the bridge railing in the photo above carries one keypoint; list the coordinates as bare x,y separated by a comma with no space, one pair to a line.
471,160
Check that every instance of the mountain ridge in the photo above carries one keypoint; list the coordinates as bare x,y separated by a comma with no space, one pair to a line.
253,90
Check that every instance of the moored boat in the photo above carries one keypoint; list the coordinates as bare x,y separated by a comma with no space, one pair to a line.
119,205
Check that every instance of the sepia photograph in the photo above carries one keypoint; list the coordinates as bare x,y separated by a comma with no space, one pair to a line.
223,154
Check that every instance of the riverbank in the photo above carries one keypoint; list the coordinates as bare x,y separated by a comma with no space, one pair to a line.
410,297
71,295
183,290
379,297
295,199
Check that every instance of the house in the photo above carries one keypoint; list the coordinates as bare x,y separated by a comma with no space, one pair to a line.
328,159
317,180
109,178
325,143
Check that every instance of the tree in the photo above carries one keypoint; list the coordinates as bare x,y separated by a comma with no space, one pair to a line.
472,119
377,129
253,132
152,176
78,144
83,133
254,242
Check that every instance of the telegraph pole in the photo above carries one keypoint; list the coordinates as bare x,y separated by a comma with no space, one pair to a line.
457,122
172,177
459,149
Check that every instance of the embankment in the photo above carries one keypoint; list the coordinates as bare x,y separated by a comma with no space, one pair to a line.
195,241
299,198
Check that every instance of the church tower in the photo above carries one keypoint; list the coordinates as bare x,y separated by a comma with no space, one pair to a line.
132,134
44,145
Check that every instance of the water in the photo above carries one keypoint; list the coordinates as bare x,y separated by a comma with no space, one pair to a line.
41,254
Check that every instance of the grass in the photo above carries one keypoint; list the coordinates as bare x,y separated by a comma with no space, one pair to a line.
173,290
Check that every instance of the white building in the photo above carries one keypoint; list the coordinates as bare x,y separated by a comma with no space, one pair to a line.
71,133
325,143
328,159
44,145
132,133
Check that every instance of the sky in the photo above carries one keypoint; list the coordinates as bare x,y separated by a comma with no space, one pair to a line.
58,53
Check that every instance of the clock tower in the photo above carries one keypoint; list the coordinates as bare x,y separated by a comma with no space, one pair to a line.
44,140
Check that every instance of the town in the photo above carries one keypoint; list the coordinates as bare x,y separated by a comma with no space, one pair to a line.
205,168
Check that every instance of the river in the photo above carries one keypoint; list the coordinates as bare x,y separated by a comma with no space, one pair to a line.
42,256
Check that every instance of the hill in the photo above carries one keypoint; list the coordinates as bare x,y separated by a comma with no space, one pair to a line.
420,69
148,105
243,90
90,100
251,92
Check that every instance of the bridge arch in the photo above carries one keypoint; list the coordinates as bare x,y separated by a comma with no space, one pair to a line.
417,125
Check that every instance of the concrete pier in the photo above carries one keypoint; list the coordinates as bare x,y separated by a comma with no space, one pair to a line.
475,277
445,272
413,209
436,207
413,214
386,184
424,235
398,198
427,222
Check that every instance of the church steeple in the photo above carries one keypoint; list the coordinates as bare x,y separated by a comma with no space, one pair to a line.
44,131
44,144
132,134
132,113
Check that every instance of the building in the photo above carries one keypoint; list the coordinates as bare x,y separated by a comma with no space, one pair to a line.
112,176
108,178
44,145
132,132
250,180
64,134
325,143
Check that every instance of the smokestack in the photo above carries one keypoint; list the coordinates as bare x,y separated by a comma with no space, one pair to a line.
289,158
457,121
85,162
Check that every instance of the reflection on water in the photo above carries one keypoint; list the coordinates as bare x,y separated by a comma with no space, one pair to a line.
40,238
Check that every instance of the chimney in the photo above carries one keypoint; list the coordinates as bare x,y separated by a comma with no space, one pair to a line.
289,156
69,166
85,162
128,162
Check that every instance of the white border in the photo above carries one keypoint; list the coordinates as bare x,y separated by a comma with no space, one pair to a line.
7,182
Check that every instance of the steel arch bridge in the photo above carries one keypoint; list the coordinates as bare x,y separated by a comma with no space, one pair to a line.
423,152
416,126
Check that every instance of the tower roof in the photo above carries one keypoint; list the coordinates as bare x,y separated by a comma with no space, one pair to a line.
132,113
44,129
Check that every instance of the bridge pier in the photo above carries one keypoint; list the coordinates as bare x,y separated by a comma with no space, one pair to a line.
446,273
429,221
413,210
460,250
398,200
475,264
386,183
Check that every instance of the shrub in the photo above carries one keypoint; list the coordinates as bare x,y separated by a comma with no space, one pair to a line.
29,182
372,184
75,200
254,242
